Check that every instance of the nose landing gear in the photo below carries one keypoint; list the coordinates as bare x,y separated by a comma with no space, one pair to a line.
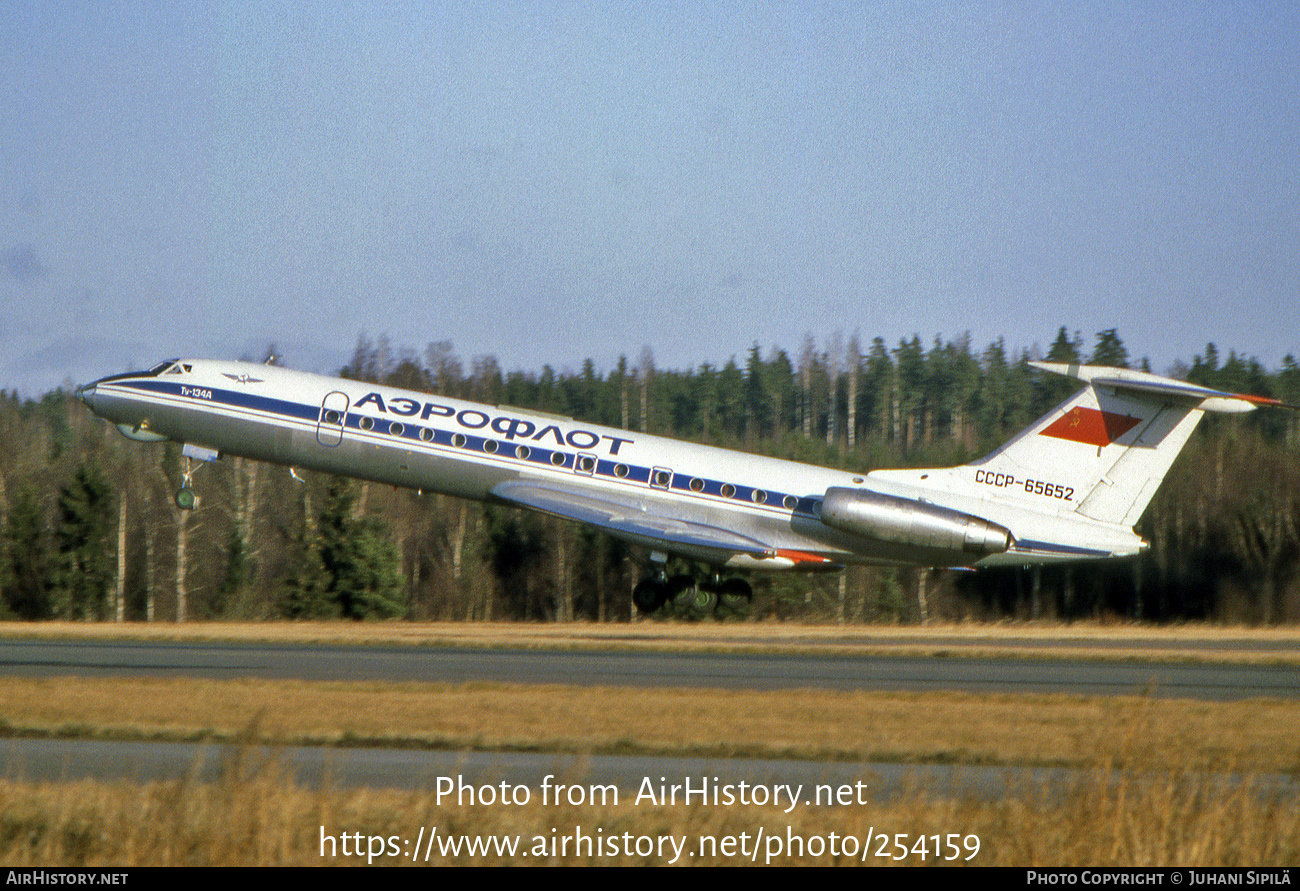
185,497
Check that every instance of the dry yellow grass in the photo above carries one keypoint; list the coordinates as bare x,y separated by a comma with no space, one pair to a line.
808,724
1174,818
1013,639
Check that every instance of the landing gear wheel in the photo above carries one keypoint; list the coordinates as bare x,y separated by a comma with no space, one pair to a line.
690,599
649,596
734,598
185,497
704,602
681,594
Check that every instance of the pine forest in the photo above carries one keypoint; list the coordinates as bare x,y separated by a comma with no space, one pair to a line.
90,530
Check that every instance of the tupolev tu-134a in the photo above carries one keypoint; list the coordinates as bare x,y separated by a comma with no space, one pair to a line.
1071,486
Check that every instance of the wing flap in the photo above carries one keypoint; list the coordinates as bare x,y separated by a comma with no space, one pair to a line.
640,522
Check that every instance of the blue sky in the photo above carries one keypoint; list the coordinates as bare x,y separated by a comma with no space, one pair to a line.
551,182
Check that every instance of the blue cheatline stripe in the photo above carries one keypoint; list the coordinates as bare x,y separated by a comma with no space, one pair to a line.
537,455
267,404
541,456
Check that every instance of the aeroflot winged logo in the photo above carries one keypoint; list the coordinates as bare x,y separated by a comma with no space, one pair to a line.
242,378
1090,426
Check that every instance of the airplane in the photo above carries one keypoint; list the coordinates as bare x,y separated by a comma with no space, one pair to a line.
1069,487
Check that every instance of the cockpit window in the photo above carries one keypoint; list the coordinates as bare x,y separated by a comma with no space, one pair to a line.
164,367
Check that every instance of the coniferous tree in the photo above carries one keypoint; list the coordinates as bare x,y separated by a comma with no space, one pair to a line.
516,549
26,569
84,542
1109,350
362,569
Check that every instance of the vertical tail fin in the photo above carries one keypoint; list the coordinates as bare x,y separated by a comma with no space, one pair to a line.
1106,449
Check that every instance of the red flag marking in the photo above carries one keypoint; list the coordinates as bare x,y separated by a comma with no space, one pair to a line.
1090,426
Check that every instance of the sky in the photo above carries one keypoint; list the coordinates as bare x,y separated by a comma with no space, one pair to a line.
551,182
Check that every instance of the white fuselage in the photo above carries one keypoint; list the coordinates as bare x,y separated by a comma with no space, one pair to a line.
435,443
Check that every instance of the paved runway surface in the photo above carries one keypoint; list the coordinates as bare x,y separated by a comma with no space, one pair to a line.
1210,681
55,760
58,759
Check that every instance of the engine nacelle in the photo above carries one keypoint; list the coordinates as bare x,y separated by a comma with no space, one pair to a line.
908,522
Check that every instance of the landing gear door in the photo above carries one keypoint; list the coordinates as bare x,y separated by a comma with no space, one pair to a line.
333,412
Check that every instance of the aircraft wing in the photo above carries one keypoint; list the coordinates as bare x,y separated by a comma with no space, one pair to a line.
630,520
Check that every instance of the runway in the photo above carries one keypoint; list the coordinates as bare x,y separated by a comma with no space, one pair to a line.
56,760
1215,681
59,760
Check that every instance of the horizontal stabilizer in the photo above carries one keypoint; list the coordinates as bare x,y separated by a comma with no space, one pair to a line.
1194,395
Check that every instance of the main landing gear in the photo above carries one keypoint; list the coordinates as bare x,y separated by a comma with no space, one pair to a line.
686,597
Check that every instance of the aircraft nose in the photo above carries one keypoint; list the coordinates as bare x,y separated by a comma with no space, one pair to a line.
86,394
